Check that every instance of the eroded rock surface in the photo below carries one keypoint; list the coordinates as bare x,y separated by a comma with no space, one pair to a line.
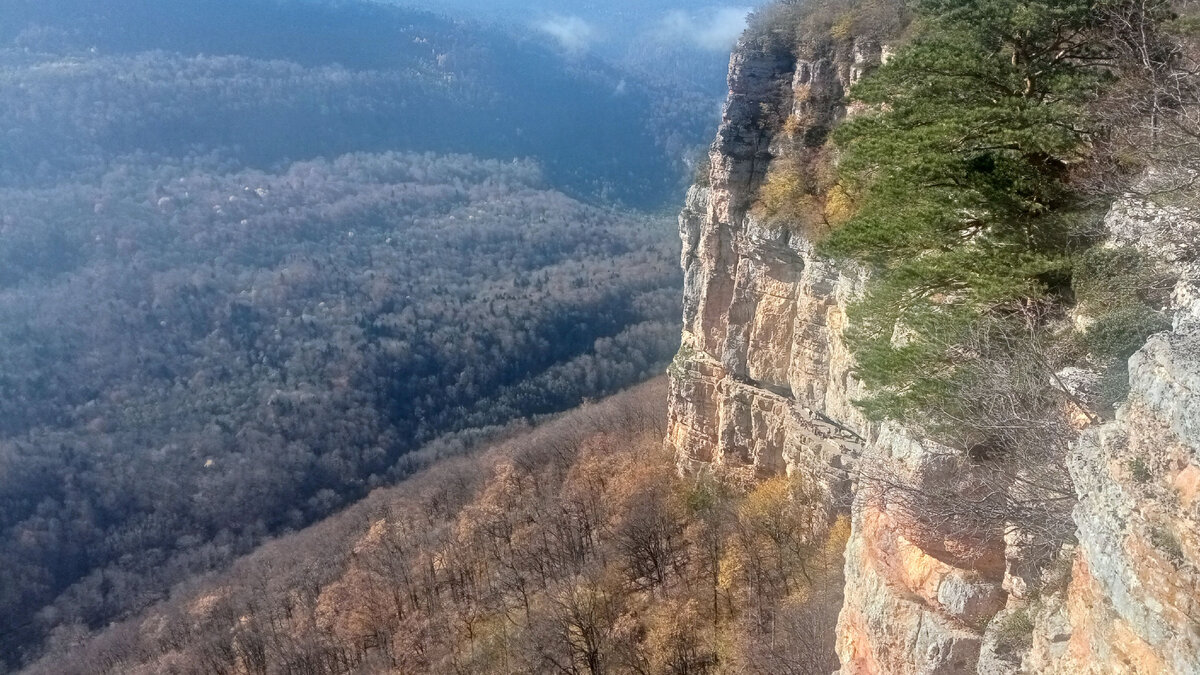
761,313
763,385
1133,605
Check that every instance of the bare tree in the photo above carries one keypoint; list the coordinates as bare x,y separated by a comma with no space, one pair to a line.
1151,115
993,457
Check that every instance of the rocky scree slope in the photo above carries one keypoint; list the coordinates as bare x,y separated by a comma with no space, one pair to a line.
764,384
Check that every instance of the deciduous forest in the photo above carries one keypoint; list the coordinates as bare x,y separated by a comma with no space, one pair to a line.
332,338
208,358
573,547
255,254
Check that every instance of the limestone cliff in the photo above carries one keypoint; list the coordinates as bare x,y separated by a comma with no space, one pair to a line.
762,373
1133,605
763,384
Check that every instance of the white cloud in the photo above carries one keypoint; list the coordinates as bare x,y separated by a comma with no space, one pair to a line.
571,32
715,29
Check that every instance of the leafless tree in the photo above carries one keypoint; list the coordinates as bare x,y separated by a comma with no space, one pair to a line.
1151,115
994,455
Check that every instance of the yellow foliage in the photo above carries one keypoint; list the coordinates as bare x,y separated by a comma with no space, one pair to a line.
730,569
802,192
678,640
839,535
528,564
784,198
839,206
767,499
793,125
784,503
843,28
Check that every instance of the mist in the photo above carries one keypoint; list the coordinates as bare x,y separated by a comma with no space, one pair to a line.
713,30
571,33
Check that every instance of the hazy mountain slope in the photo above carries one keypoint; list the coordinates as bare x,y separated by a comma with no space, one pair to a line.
272,81
192,357
685,44
233,297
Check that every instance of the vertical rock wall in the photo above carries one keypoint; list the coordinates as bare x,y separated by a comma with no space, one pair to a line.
759,364
1133,604
762,382
763,385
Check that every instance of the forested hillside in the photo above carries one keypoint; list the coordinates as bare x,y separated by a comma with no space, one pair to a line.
571,548
682,44
268,81
193,358
254,254
934,410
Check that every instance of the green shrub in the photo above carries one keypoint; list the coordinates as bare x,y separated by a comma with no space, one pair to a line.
965,207
1015,632
1113,277
676,368
1113,389
1139,470
701,172
1165,541
1121,288
1122,331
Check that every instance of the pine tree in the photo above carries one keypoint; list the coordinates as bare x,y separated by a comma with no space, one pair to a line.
960,170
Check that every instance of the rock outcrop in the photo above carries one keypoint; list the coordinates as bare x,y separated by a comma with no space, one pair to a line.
763,384
763,381
759,371
1133,604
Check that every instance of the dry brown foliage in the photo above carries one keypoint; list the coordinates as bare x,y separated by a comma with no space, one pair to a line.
573,548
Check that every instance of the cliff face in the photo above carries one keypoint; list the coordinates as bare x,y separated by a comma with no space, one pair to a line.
763,384
1133,605
762,368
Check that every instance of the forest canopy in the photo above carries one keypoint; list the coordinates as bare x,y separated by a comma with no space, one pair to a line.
572,548
270,82
254,254
193,357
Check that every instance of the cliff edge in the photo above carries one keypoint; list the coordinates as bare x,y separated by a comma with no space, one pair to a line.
764,384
